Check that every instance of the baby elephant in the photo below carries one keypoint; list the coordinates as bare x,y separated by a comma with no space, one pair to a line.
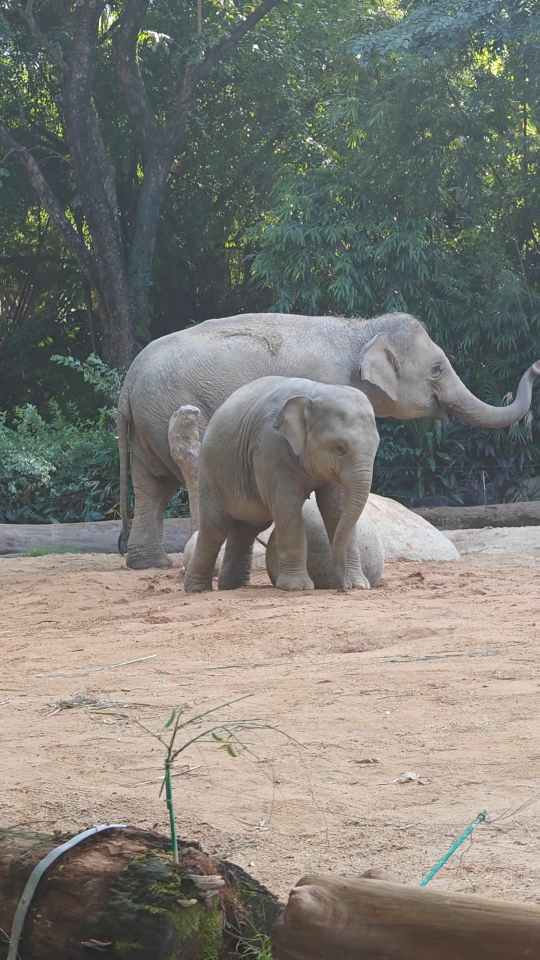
271,444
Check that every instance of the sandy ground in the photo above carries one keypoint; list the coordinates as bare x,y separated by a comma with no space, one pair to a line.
436,672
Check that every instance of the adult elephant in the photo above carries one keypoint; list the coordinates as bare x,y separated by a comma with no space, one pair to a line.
177,382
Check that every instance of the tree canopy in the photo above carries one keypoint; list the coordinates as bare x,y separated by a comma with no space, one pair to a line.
212,157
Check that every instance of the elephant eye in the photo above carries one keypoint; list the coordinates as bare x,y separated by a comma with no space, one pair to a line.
436,370
340,449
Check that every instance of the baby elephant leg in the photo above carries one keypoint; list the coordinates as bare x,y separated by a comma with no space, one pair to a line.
236,567
185,445
200,569
330,502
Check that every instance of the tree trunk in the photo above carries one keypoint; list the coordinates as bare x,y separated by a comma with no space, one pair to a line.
328,918
118,892
492,515
95,178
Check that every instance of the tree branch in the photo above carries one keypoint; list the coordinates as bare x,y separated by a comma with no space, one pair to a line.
53,207
38,35
194,72
127,65
217,53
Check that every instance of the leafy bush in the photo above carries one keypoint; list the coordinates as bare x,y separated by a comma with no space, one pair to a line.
59,467
421,462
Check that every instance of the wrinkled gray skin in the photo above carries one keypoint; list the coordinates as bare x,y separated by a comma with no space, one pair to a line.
391,359
319,551
265,450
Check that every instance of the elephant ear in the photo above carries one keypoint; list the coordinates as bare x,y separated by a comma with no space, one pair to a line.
380,365
293,420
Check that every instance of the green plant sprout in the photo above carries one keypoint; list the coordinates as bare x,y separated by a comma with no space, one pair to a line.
225,733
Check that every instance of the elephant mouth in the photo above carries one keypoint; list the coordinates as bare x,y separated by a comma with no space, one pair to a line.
439,410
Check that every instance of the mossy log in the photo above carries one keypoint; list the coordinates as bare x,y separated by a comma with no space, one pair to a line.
329,918
118,893
491,515
100,536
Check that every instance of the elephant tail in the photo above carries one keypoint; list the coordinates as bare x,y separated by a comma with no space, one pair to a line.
123,419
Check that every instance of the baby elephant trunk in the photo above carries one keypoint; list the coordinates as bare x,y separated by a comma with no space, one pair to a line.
356,485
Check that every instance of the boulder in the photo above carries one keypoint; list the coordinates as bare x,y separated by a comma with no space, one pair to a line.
405,535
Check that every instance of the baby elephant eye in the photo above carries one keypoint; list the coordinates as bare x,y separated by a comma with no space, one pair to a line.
436,370
340,449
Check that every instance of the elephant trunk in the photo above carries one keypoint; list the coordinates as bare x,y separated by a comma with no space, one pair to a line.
356,487
464,405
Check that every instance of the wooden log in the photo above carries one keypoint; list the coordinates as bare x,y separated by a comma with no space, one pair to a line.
491,515
328,918
118,893
99,537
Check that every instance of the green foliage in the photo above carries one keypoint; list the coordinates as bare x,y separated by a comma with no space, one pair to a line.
58,467
94,371
348,158
421,462
423,196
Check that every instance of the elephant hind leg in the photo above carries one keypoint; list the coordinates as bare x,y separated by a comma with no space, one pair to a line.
145,546
236,567
200,570
185,446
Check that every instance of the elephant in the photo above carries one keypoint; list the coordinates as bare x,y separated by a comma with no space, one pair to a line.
319,551
270,445
177,382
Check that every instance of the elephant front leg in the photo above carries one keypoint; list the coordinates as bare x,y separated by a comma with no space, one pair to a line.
145,545
330,498
291,546
235,570
185,446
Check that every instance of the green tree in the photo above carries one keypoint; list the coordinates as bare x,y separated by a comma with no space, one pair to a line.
54,60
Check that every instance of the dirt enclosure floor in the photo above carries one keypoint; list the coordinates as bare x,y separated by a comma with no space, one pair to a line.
434,673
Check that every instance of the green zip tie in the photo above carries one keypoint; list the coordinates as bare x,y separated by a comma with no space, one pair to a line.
480,819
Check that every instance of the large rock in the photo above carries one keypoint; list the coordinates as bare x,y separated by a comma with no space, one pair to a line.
405,535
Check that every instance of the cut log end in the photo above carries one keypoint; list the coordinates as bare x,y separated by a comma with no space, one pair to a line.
372,919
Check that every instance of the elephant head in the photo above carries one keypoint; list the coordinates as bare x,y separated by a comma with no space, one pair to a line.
406,375
335,438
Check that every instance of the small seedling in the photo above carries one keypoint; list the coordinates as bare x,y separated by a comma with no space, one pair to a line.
226,733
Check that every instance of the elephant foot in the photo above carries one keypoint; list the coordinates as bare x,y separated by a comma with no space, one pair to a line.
287,582
232,584
356,581
148,561
197,586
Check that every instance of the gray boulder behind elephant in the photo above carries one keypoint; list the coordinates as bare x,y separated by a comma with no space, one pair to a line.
265,450
176,383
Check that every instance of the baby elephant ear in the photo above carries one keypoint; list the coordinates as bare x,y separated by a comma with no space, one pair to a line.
380,366
292,421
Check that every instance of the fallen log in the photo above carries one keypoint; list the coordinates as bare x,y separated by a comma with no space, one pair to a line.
490,515
118,893
328,918
99,537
